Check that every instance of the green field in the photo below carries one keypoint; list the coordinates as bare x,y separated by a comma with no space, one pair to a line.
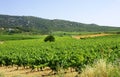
66,52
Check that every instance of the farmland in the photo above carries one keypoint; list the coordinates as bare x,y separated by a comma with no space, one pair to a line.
31,52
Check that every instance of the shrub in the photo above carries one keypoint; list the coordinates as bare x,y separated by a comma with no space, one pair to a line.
49,38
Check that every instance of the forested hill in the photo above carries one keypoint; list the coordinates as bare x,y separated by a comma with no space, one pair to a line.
44,26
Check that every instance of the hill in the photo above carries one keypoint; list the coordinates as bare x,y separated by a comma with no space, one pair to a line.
17,24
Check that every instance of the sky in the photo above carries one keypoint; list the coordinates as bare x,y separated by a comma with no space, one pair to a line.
101,12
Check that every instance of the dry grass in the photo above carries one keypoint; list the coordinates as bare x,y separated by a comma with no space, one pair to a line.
101,69
2,74
91,35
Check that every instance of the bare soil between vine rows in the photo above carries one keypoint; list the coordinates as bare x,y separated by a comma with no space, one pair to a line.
12,72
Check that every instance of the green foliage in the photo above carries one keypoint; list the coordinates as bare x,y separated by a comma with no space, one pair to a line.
16,37
49,38
64,53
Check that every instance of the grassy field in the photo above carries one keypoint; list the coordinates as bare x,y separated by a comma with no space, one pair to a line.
31,53
17,37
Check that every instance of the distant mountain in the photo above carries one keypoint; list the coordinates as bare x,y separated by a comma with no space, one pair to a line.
44,26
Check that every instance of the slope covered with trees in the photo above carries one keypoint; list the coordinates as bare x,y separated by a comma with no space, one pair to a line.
39,25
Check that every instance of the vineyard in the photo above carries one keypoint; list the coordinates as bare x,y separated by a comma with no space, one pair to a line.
66,52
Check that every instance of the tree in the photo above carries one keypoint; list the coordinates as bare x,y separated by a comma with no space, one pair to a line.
49,38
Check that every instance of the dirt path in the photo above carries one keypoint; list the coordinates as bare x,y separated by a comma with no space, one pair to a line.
12,72
92,35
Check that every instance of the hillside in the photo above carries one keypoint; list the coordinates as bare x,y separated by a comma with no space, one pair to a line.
44,26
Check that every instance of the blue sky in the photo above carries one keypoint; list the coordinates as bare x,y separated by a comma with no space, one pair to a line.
102,12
